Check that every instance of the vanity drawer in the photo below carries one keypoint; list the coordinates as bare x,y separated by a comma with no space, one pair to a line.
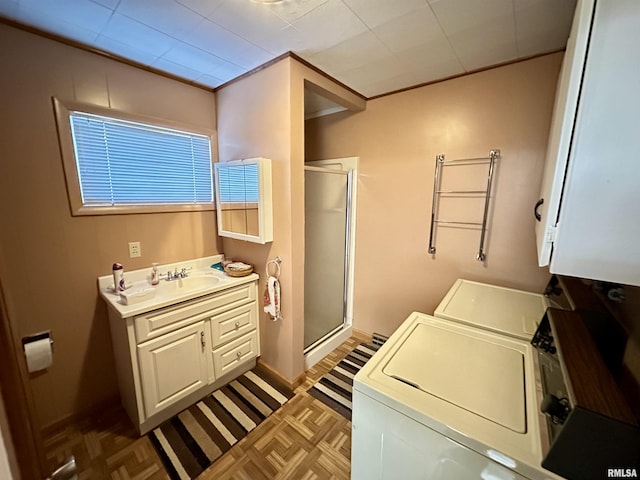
164,320
234,323
235,353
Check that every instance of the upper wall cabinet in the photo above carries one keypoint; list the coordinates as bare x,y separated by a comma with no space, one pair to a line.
243,199
588,222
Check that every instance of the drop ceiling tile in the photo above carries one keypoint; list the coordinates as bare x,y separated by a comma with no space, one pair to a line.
291,11
249,20
209,81
481,33
416,28
485,44
460,15
354,52
85,15
377,12
377,86
110,4
140,37
204,62
219,41
382,69
202,7
287,39
176,69
125,50
251,57
327,25
166,16
431,62
55,25
9,8
542,25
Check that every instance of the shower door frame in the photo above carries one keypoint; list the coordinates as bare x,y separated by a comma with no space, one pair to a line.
347,166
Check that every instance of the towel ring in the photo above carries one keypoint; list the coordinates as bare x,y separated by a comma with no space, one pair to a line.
276,261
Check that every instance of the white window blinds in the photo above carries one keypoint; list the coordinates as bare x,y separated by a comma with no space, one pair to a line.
128,163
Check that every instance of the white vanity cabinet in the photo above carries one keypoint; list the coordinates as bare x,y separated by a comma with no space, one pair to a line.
588,222
170,357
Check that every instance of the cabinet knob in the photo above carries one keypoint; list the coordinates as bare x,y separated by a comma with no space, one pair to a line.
202,342
239,355
237,325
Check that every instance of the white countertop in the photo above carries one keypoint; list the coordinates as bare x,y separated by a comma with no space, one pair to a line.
167,292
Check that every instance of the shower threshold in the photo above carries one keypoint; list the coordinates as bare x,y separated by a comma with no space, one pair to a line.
323,346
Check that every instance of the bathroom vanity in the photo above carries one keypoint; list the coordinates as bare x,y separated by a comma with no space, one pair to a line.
194,335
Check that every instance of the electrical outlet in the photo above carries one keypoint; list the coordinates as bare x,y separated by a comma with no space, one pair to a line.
134,249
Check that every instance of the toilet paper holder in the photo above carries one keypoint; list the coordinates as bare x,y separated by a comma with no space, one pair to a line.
38,351
38,336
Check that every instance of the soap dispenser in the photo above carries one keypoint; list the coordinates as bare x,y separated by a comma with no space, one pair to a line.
155,278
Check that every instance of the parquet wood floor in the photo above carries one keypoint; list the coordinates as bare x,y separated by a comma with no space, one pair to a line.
304,440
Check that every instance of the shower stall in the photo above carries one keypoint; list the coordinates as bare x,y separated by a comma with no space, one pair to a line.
329,225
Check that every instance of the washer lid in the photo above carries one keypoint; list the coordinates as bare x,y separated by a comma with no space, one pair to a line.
484,378
503,310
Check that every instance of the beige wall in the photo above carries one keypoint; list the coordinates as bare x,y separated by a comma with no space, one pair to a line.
397,139
254,121
263,116
51,259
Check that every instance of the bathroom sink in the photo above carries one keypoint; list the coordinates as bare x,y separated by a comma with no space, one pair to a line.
187,284
142,297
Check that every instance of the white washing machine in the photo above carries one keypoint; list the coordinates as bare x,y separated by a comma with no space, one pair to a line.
443,400
502,310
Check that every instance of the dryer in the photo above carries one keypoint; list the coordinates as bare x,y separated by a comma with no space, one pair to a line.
507,311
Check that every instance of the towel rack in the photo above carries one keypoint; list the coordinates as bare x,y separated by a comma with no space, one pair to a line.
440,164
276,261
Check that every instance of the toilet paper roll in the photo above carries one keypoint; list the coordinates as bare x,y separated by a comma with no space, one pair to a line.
39,354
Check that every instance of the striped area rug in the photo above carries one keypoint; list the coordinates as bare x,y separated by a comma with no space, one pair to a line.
334,389
195,438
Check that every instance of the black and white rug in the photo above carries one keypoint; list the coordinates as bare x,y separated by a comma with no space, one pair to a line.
194,439
334,389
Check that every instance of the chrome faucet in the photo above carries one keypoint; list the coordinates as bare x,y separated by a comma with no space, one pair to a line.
175,275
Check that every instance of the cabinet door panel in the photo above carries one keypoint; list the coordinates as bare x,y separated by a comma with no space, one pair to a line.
173,366
599,225
562,121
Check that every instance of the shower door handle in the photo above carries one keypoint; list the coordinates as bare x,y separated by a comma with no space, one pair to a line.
535,209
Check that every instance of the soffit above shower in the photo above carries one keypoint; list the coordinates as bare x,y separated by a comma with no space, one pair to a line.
315,105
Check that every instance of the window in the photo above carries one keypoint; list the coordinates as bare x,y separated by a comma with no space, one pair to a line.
121,163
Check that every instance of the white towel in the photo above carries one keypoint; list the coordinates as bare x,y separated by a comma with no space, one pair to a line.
272,298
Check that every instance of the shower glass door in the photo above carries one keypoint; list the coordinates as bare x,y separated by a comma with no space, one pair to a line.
327,200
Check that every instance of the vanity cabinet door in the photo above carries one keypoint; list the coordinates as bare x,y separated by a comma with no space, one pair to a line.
173,366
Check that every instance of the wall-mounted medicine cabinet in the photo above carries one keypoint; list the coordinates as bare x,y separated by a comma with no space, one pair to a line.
243,199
